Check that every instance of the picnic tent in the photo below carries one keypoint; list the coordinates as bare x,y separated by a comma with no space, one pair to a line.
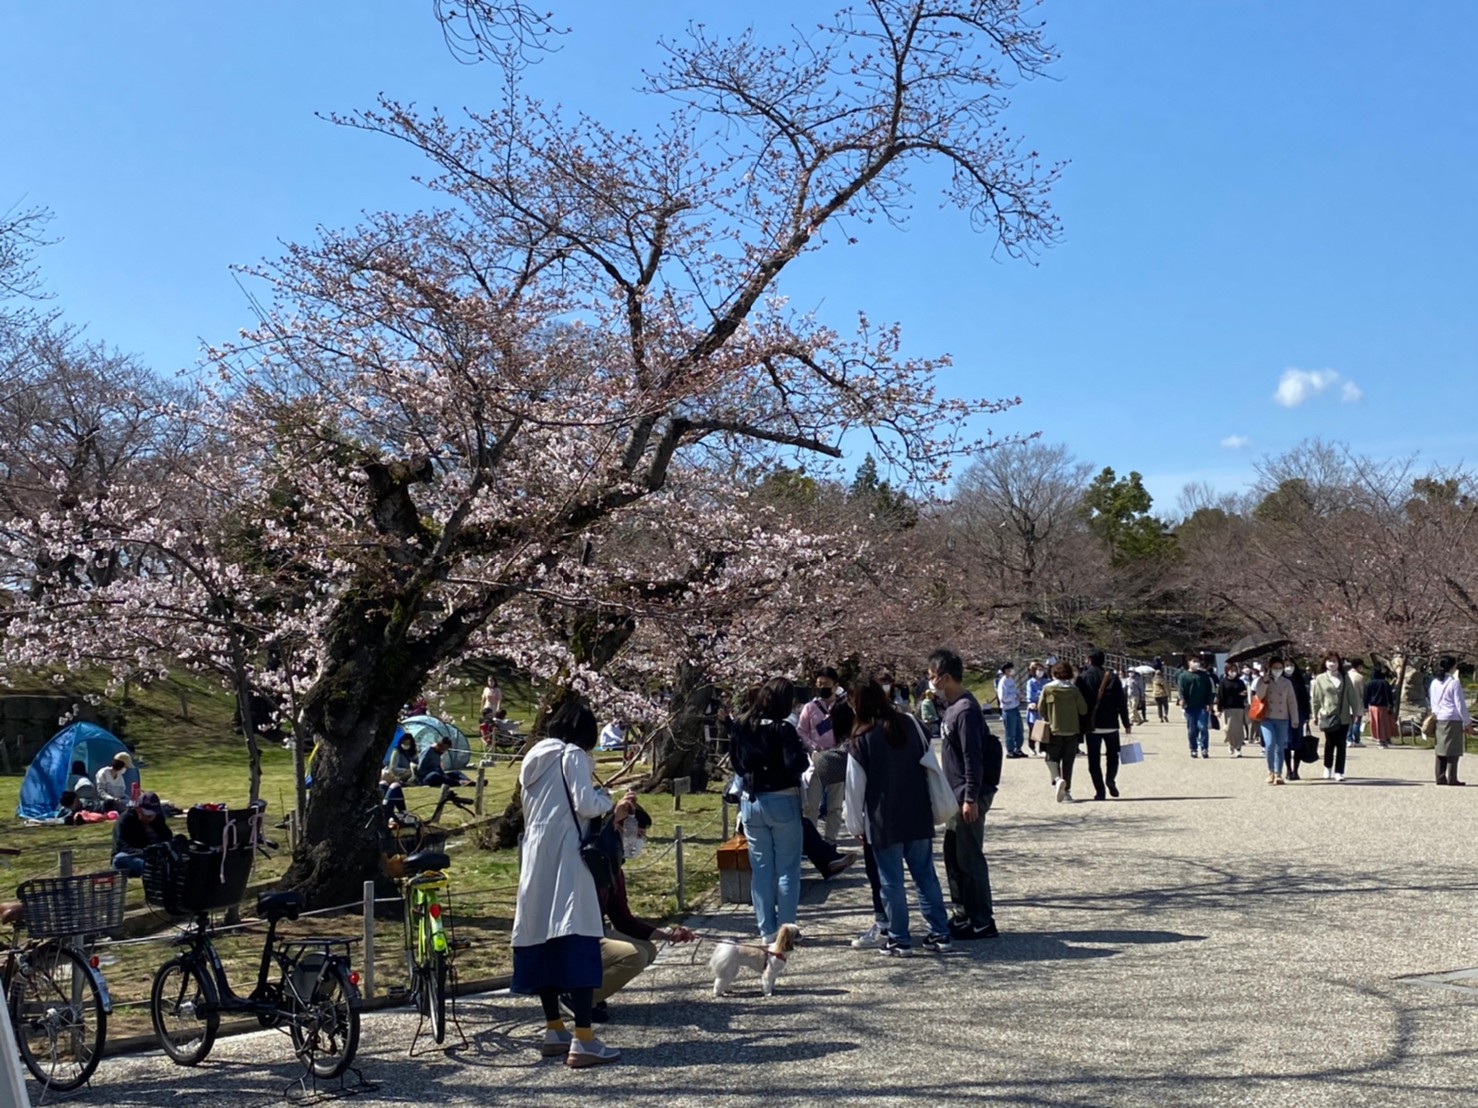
426,730
50,774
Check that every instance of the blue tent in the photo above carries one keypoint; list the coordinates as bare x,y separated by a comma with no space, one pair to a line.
426,730
50,774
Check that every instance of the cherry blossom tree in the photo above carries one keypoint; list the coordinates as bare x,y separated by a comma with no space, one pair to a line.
533,390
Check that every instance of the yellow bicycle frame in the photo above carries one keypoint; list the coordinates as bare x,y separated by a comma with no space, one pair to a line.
429,929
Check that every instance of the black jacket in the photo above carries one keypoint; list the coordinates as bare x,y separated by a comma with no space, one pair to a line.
131,833
1111,712
897,797
769,756
972,756
1231,694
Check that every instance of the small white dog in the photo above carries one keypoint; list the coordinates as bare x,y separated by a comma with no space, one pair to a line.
769,962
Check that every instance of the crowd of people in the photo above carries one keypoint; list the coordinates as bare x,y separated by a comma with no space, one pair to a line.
896,768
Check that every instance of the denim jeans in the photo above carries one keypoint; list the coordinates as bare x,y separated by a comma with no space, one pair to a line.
772,824
1274,742
1198,728
918,856
1011,720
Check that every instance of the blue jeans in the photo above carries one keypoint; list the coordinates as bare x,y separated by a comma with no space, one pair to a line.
1198,728
772,824
1274,743
1355,729
1011,718
918,856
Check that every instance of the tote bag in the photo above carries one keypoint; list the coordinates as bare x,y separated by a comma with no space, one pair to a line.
941,796
1131,753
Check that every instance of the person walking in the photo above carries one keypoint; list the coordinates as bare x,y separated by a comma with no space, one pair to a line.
1108,708
1008,694
1134,689
1035,683
972,760
767,754
1064,709
1357,681
1197,691
887,803
1450,707
1379,698
557,925
1231,702
1160,691
1302,747
820,739
1280,716
1334,708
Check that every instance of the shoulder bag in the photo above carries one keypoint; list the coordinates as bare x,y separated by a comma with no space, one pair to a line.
1257,707
941,797
600,845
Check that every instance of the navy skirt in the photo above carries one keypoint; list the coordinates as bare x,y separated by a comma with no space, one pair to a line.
568,962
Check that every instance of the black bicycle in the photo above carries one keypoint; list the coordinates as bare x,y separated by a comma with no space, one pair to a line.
314,995
58,999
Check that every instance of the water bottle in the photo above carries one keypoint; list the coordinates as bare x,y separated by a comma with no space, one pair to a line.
630,837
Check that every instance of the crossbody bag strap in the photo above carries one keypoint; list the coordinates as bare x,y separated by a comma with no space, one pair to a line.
569,798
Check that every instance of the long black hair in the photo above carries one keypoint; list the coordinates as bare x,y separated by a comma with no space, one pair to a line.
774,702
872,706
575,724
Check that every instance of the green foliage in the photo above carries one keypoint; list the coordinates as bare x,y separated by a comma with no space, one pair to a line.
894,510
790,486
1292,498
1118,511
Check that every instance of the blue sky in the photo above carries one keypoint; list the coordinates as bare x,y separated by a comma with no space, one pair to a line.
1254,187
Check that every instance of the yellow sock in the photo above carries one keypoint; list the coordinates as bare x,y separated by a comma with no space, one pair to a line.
555,1025
585,1034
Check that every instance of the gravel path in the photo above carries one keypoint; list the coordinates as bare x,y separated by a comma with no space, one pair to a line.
1206,939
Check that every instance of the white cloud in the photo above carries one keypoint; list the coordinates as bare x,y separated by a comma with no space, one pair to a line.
1235,442
1298,385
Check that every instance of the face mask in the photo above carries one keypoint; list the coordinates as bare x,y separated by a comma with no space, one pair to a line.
1276,671
887,687
1332,667
933,686
826,694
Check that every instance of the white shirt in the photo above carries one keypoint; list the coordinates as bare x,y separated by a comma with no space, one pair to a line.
1008,693
1448,702
112,783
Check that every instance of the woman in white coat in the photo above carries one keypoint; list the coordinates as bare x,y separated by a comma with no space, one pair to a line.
557,925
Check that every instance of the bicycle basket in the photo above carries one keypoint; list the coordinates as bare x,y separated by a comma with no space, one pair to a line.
91,904
406,841
186,881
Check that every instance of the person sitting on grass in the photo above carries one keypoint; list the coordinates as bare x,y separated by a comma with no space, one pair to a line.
112,782
629,945
431,770
139,828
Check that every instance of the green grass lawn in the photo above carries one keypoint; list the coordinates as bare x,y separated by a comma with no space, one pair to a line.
201,760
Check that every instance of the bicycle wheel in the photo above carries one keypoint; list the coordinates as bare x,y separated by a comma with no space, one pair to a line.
325,1031
436,974
183,1009
59,1020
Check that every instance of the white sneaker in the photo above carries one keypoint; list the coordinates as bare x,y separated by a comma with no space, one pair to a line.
871,939
1060,788
1328,773
1339,776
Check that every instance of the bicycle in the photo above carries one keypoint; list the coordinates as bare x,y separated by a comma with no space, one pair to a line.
430,949
58,1000
315,995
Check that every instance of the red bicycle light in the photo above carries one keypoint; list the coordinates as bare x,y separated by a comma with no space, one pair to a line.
354,978
435,911
94,962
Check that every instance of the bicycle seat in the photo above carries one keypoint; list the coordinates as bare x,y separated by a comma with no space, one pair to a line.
423,860
12,912
276,906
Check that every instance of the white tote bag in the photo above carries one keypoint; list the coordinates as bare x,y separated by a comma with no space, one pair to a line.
1131,753
941,796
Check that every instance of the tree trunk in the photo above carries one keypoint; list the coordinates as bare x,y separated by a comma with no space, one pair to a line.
680,750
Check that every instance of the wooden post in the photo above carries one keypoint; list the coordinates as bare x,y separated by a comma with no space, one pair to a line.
184,704
64,862
367,978
292,832
724,804
482,780
681,787
677,842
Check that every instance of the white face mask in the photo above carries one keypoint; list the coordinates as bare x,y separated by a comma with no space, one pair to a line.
886,688
933,686
1276,671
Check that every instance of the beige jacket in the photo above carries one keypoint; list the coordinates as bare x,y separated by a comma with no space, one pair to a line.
1278,695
